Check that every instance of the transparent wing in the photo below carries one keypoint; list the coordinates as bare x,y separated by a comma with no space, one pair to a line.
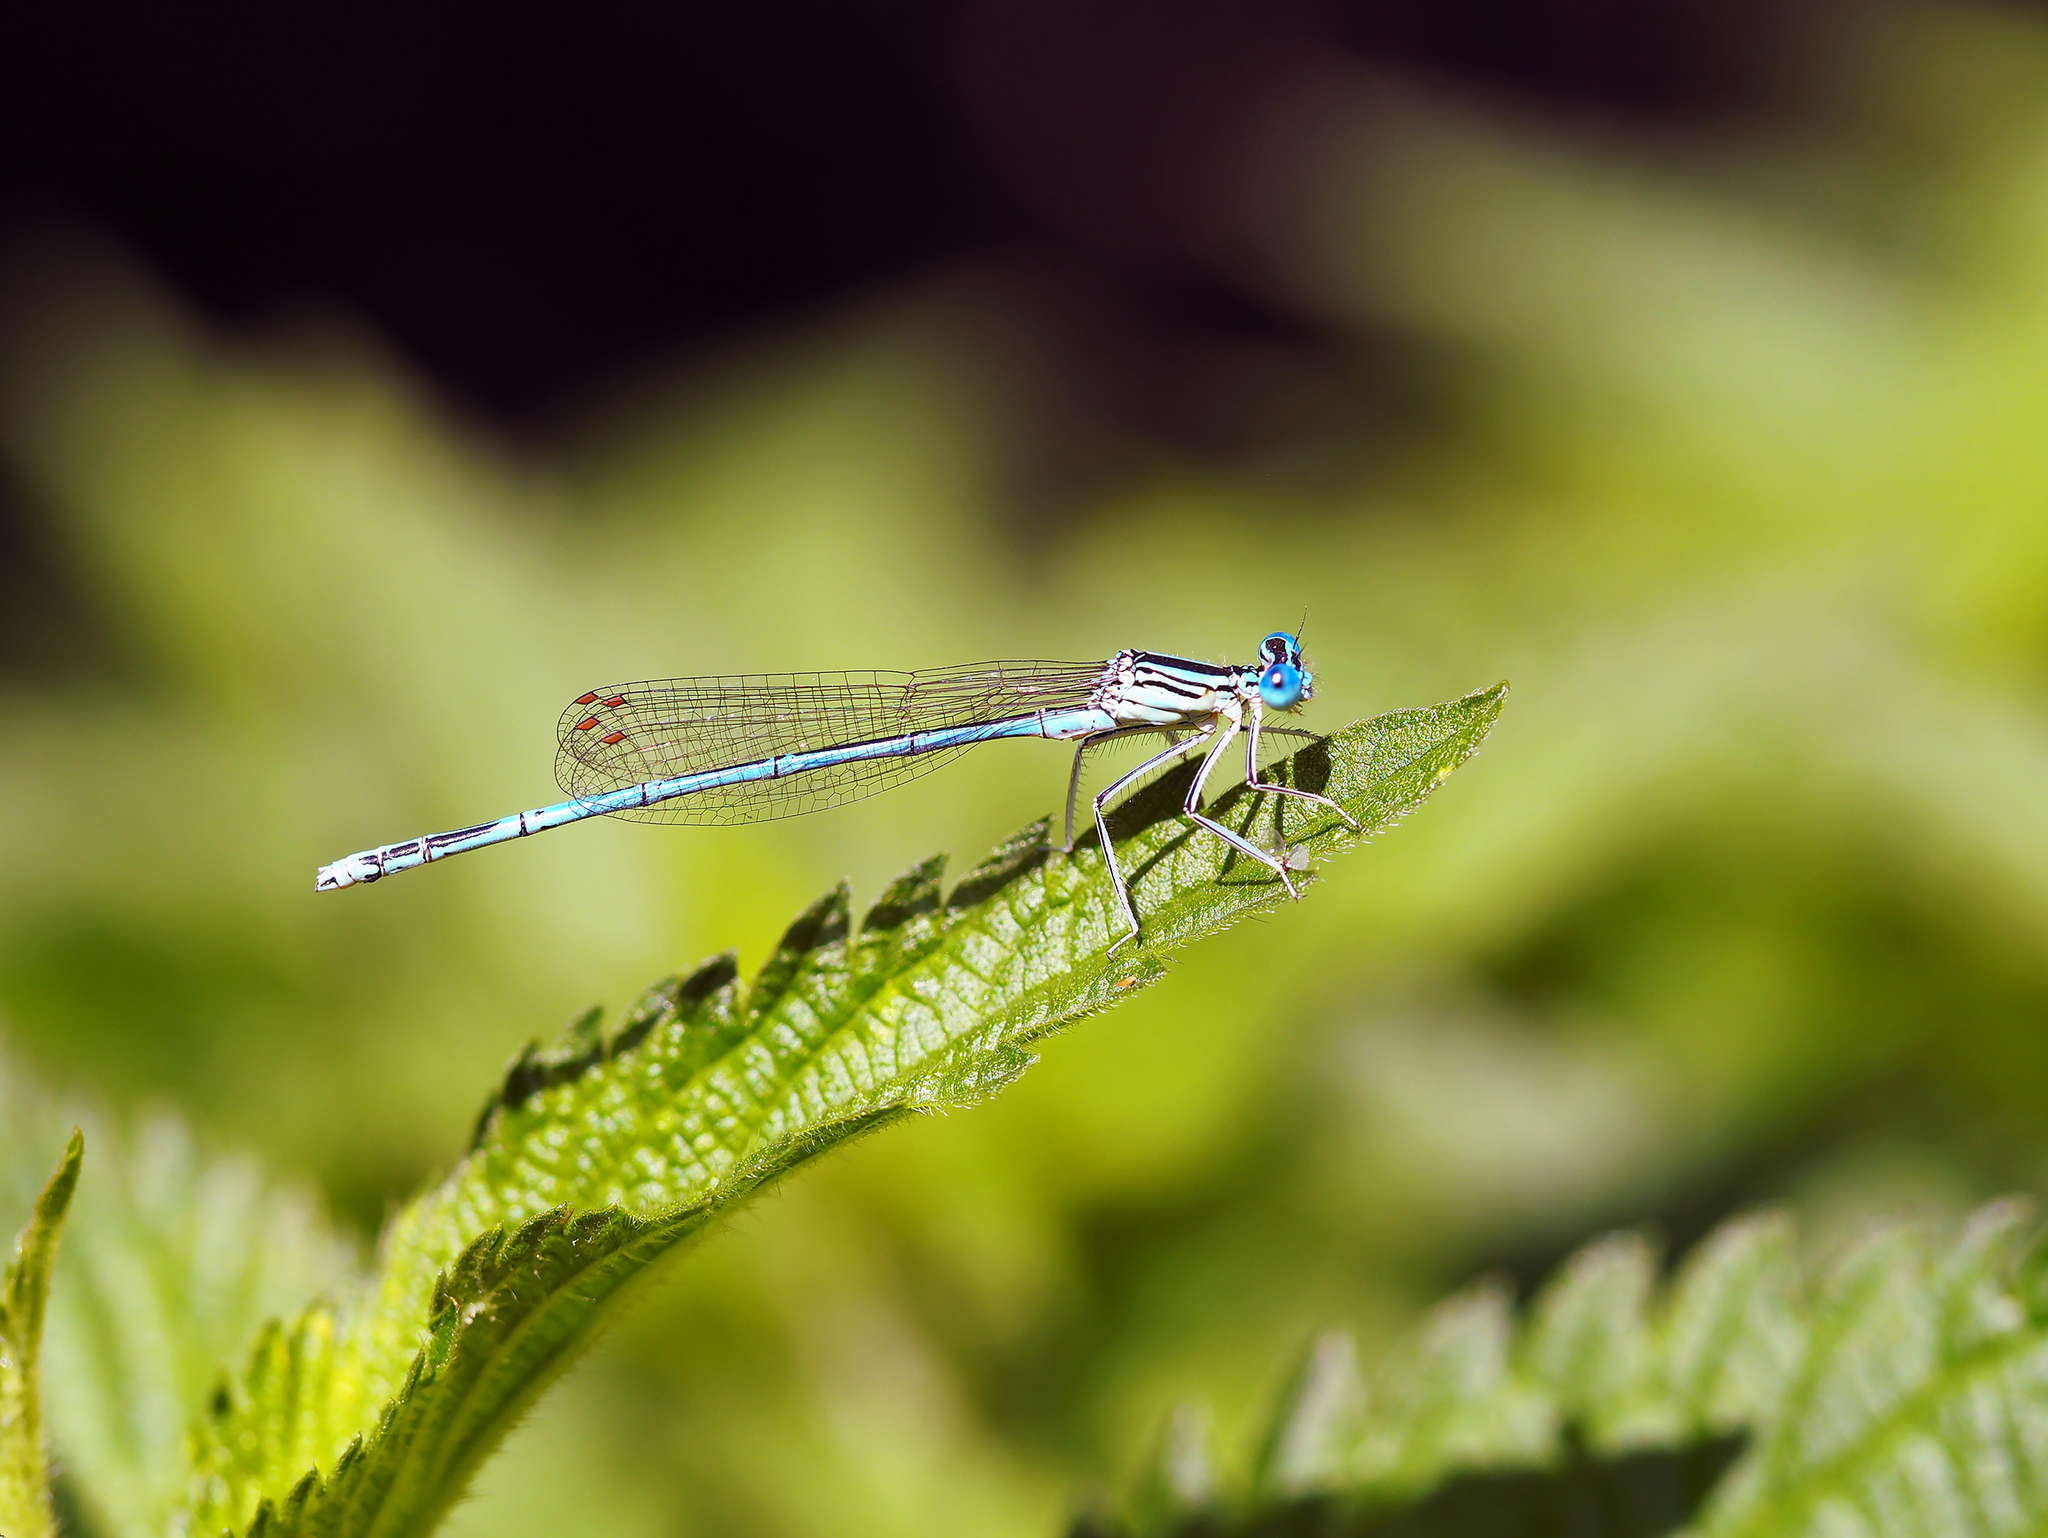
629,734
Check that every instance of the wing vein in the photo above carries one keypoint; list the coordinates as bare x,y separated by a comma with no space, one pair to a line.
660,728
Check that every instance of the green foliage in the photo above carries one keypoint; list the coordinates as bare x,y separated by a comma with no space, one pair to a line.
1901,1390
1731,447
599,1157
24,1480
173,1259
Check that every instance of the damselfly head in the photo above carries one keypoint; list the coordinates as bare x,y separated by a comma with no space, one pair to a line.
1284,683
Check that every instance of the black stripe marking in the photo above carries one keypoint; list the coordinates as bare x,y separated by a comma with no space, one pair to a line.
1178,688
443,840
1216,670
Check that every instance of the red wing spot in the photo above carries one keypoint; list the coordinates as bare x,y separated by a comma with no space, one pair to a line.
587,699
614,702
586,723
615,737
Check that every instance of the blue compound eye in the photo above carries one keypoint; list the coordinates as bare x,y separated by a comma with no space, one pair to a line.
1280,686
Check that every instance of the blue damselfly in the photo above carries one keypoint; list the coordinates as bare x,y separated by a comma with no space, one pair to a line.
755,748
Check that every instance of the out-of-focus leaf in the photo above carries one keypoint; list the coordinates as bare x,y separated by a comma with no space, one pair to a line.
599,1157
176,1258
1318,1422
172,1260
1899,1393
1179,1484
25,1510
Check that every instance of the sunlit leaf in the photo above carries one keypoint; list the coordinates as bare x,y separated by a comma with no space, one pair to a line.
601,1156
25,1510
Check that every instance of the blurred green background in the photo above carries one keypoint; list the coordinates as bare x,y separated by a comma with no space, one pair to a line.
1725,440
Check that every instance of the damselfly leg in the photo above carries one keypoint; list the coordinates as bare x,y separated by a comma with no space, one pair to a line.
1215,737
1277,864
1096,741
1109,793
1251,770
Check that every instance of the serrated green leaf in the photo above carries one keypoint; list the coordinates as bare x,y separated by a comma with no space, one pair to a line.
1587,1343
173,1256
25,1510
1908,1415
596,1158
1735,1324
1317,1424
1450,1398
1901,1392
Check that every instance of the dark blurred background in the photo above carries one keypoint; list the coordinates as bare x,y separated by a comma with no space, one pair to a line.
374,379
530,206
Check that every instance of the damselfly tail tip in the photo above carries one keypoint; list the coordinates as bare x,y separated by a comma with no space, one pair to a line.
351,871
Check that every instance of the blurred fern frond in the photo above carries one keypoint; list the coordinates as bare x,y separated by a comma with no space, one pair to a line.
1897,1391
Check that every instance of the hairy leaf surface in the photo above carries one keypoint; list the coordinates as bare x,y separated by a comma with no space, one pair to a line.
601,1155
